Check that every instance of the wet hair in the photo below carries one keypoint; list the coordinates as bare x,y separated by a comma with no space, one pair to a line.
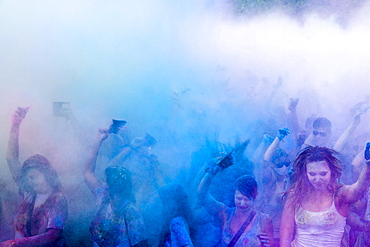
301,186
247,185
42,164
119,181
321,122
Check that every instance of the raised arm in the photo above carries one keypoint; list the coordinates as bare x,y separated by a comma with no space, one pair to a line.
274,90
206,199
122,156
343,139
293,117
275,144
261,149
135,144
89,167
72,120
158,180
357,165
352,193
211,204
12,155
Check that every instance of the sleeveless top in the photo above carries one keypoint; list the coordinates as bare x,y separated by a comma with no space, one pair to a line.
249,238
324,228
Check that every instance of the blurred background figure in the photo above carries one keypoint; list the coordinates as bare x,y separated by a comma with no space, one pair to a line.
40,219
117,222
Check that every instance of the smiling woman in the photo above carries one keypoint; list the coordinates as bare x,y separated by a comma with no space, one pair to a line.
241,225
317,205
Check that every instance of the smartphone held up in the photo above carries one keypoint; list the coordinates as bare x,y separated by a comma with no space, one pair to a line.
116,125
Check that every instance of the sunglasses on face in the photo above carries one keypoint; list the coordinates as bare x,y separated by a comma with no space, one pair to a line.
315,132
282,164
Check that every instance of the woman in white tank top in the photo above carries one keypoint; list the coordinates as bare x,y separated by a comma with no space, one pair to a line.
317,206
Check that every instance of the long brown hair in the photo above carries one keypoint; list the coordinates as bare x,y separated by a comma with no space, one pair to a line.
301,186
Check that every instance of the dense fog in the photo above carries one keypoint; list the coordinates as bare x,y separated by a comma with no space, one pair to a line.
183,71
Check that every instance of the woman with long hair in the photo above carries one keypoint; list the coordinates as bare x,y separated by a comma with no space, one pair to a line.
317,204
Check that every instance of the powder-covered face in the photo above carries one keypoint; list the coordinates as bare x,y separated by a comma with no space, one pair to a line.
319,174
242,202
36,180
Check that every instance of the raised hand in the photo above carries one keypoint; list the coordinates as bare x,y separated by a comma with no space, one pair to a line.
361,108
240,147
293,102
267,139
282,133
102,134
227,161
20,114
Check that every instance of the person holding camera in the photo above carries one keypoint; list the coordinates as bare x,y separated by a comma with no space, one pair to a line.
276,164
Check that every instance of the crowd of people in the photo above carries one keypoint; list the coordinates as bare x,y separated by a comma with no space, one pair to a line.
308,193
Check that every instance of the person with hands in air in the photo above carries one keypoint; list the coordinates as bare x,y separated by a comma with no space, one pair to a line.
293,117
147,176
299,134
359,110
40,218
241,225
275,179
317,206
117,222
